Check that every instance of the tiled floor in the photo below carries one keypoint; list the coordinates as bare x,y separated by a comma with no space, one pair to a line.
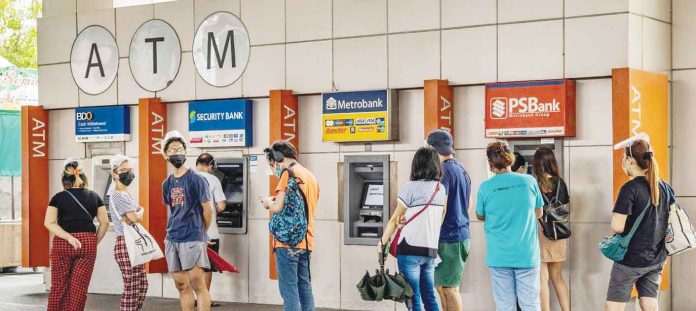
25,292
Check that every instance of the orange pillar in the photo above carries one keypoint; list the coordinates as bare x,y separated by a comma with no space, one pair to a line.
641,104
283,120
438,109
35,238
152,126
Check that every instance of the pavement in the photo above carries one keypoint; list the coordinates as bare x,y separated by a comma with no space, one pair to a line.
25,291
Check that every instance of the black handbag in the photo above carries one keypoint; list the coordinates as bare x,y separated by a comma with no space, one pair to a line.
555,221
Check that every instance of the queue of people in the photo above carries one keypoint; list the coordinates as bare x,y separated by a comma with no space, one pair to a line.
432,215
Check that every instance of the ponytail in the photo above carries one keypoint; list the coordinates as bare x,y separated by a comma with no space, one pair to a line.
653,176
73,178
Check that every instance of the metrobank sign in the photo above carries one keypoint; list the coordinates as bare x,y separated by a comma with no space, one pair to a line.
220,54
360,116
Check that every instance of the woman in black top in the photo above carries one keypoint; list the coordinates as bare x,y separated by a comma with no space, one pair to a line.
646,252
553,253
70,218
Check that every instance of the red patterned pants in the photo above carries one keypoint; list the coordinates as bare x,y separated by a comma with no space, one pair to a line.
134,279
71,271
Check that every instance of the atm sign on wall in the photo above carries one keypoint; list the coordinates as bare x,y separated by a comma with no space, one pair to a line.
530,109
102,124
220,123
360,116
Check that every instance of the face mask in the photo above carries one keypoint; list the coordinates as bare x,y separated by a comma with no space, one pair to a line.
177,160
278,171
126,178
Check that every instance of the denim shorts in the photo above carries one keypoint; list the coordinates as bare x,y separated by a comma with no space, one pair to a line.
647,281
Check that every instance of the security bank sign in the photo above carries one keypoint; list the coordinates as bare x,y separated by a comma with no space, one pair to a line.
220,123
102,124
360,116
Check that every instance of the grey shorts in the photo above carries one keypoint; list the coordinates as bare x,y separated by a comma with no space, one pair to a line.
184,256
647,281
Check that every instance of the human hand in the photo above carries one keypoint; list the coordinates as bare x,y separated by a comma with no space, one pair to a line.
76,244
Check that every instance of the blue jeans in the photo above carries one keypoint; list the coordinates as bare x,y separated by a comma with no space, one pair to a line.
293,279
420,274
513,285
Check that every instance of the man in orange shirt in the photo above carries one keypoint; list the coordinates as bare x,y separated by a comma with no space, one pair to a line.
294,279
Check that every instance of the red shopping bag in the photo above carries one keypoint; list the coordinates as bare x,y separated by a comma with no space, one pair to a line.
220,263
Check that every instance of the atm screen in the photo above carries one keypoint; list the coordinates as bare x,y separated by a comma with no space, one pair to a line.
373,195
107,197
232,180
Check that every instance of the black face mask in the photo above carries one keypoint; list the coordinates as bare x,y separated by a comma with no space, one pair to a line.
177,160
126,178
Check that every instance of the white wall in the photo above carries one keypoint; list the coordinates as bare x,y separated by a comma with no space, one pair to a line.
310,46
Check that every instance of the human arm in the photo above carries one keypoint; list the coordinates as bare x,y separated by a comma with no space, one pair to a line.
51,223
103,219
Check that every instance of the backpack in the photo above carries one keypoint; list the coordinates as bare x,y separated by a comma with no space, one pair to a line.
290,225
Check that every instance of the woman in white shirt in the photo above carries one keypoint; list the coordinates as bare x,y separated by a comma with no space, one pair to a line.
422,203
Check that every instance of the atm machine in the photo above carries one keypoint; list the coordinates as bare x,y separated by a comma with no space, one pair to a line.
99,177
233,176
527,148
366,198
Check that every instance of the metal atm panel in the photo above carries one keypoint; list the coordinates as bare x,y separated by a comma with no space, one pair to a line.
233,175
527,148
366,199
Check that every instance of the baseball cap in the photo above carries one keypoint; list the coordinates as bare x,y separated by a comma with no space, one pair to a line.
442,141
172,135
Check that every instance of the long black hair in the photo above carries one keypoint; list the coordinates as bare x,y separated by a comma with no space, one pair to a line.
426,165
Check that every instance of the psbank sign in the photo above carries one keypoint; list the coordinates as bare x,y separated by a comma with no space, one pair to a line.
530,109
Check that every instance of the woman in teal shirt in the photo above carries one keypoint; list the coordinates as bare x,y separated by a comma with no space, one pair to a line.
509,204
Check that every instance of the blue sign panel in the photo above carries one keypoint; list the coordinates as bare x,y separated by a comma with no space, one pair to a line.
97,124
221,123
352,102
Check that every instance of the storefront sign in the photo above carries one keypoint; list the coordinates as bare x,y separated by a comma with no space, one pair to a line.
438,112
530,109
18,87
360,116
155,55
220,123
152,126
640,104
102,124
94,60
284,117
35,237
221,49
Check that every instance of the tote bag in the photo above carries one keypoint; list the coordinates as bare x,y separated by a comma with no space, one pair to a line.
680,234
142,247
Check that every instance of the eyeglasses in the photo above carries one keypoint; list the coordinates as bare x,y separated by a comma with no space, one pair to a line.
173,151
124,170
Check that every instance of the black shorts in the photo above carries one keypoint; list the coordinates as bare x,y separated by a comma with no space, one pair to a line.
215,246
647,281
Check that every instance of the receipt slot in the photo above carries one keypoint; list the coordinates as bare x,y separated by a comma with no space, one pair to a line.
527,148
366,198
233,175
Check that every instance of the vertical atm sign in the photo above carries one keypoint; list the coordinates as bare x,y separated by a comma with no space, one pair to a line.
530,109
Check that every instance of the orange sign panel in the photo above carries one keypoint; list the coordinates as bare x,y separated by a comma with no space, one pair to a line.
152,126
35,238
640,103
530,109
438,111
284,121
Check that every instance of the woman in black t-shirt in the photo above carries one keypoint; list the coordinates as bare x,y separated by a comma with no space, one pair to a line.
646,252
70,218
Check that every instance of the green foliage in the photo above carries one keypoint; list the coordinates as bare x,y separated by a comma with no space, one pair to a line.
18,31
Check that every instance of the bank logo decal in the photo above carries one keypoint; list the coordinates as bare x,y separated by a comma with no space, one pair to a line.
192,116
331,104
499,108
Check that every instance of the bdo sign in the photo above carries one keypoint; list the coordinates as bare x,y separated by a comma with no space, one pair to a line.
220,123
102,124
